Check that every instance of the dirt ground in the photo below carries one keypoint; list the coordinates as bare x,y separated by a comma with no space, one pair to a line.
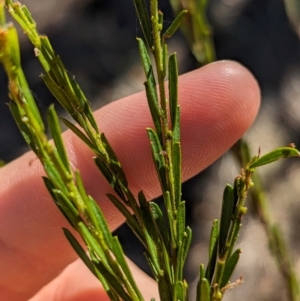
96,40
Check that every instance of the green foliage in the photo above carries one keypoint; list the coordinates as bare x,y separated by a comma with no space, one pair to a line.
166,238
196,28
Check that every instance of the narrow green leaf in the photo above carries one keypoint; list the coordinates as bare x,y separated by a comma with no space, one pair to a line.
152,247
236,191
60,76
114,282
56,135
58,93
160,222
54,176
29,104
155,225
213,250
119,254
144,19
205,290
168,269
78,133
58,164
13,43
235,233
282,152
173,88
43,59
160,18
152,266
175,24
201,271
186,242
11,53
177,172
153,109
84,104
164,289
186,290
156,212
15,9
164,59
109,176
176,127
150,230
179,291
64,88
183,245
114,161
22,126
226,217
110,293
83,192
168,205
150,87
201,276
79,250
47,46
93,245
158,157
26,14
178,275
50,187
130,219
230,267
180,220
243,149
148,69
100,222
67,207
214,234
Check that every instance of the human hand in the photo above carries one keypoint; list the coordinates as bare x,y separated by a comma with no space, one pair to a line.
218,104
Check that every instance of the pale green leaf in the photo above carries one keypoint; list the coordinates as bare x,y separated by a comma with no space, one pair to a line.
175,24
226,217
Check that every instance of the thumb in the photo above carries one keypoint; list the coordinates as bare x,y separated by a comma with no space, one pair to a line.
77,283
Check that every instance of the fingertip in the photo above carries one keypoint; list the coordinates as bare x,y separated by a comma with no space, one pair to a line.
221,101
224,84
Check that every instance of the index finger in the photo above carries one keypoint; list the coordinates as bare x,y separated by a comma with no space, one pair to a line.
218,103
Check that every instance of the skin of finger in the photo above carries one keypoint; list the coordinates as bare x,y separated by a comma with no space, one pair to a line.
77,283
218,103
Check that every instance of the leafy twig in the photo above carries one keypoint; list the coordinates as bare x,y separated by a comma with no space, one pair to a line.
222,259
277,243
166,239
166,248
106,259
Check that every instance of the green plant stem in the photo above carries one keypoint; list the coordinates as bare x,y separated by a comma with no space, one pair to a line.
159,61
158,51
277,244
196,29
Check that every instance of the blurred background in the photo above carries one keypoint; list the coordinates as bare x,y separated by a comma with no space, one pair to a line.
96,41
